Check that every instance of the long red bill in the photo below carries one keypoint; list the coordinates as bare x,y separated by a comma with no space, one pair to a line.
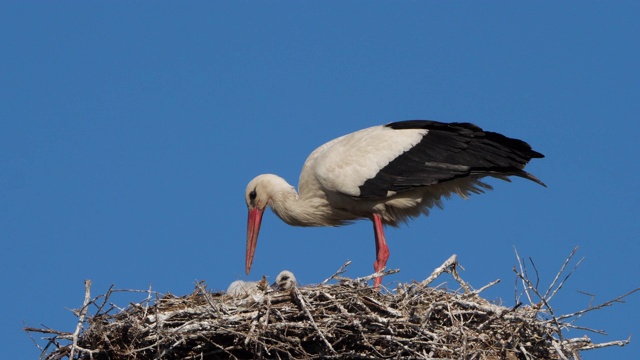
253,228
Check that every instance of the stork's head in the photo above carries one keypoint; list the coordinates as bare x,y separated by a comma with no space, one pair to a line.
285,280
258,195
257,199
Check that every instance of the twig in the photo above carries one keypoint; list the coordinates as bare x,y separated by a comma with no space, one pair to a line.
206,295
606,303
565,279
564,265
524,272
61,334
340,271
301,301
558,346
463,284
536,271
583,328
29,330
478,291
104,302
370,277
545,303
524,351
620,343
82,314
452,261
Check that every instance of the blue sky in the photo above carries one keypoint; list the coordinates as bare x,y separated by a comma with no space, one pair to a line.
128,132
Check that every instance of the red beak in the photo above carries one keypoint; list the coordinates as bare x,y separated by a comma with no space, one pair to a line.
253,228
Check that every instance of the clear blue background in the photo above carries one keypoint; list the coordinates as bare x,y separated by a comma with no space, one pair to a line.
129,130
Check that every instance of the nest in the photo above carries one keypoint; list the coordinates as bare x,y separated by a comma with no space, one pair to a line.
345,319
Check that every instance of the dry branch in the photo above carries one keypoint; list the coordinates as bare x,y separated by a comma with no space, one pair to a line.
345,320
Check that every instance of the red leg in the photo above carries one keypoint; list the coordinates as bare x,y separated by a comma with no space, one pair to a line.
382,250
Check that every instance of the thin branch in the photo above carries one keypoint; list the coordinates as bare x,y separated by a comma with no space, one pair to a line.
524,272
606,303
82,314
620,343
545,303
478,291
451,262
463,284
536,271
301,302
340,271
370,277
564,265
565,279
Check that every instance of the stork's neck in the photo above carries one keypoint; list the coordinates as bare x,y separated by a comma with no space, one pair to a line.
297,209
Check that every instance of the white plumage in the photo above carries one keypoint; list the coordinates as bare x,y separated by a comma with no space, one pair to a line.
345,163
387,174
241,288
285,281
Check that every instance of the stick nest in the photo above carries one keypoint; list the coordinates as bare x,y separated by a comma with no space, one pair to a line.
346,319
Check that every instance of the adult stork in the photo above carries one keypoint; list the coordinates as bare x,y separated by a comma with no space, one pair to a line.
388,174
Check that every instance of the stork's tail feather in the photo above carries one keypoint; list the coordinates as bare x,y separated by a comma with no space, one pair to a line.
504,175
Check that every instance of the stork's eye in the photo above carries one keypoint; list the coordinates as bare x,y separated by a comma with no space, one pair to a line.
252,195
285,278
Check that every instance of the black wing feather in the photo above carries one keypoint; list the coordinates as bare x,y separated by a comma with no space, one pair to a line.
450,151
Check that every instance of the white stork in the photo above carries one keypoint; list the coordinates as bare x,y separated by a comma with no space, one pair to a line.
241,288
388,174
285,281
